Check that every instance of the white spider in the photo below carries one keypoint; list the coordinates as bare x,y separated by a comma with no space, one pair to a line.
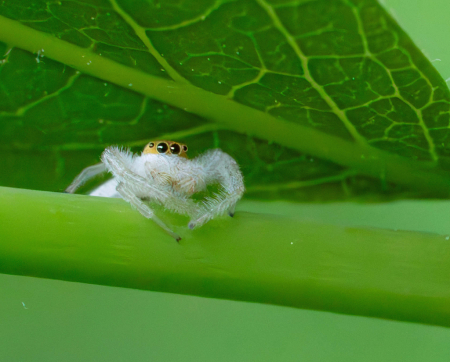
164,174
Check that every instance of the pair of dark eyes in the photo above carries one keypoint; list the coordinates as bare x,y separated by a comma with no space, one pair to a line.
162,147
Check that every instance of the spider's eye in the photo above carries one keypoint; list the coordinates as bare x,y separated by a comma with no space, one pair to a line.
175,149
162,147
185,148
151,144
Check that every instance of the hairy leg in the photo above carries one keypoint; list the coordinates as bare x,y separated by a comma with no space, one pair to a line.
84,176
178,195
118,163
129,196
223,169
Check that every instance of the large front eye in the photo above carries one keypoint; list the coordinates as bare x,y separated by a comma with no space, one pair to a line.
162,147
175,149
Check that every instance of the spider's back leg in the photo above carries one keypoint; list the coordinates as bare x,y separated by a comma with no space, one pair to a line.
84,176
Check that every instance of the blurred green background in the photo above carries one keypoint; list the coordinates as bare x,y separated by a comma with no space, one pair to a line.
45,320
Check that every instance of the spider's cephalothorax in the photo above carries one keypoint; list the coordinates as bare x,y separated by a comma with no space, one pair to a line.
162,173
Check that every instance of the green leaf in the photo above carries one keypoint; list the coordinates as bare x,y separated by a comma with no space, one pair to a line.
316,100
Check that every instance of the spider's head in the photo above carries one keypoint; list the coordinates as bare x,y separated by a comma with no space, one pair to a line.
166,147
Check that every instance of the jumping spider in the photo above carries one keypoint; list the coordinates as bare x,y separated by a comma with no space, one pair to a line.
164,174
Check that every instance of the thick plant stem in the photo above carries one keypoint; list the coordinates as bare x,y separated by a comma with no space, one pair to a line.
260,258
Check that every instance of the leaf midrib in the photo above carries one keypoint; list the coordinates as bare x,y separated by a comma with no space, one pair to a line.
232,115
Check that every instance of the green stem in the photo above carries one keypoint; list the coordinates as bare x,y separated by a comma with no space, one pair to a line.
232,115
260,258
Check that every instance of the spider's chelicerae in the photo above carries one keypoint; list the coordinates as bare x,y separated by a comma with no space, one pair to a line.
162,173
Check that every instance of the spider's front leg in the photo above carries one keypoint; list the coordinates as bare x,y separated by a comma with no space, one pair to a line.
118,163
179,188
129,196
220,168
131,184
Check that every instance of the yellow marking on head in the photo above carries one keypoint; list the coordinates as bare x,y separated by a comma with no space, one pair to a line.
166,147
